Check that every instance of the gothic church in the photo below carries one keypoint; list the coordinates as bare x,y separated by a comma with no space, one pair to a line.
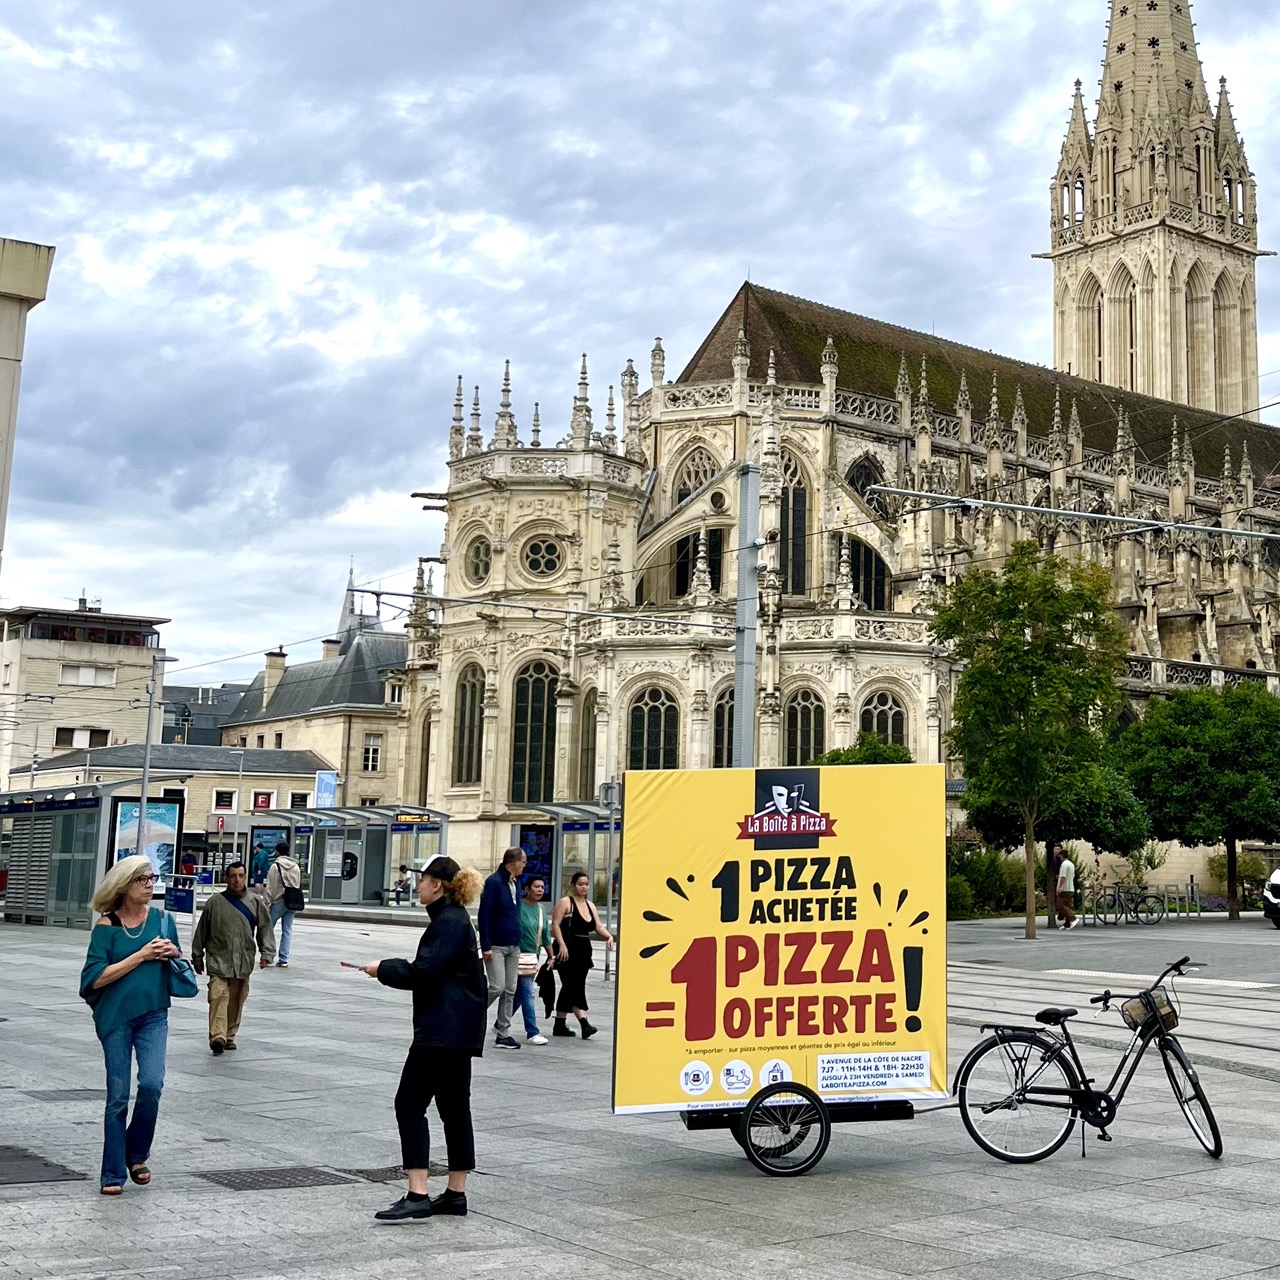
585,624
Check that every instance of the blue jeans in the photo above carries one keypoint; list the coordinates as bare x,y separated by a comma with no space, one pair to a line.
124,1145
278,912
526,993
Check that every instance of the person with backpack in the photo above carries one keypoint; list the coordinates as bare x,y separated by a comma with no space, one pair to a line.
284,897
232,924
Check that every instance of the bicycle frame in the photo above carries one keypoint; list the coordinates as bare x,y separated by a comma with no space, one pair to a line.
1096,1107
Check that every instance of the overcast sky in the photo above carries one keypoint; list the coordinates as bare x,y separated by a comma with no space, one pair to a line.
284,228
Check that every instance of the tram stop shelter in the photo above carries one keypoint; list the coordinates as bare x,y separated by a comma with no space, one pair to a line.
347,855
585,838
56,844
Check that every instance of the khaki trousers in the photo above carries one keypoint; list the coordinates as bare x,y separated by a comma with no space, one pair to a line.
226,1002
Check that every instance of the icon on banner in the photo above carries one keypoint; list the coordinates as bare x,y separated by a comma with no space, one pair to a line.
695,1078
775,1071
736,1077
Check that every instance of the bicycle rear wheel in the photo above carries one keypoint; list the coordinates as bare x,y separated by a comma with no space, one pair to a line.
1190,1095
1106,908
1149,908
994,1104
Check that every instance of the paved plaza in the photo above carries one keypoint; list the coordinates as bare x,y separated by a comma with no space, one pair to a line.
565,1189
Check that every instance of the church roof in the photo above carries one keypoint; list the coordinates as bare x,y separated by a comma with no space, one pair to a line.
870,353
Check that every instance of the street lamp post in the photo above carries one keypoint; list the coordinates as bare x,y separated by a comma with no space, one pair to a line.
156,660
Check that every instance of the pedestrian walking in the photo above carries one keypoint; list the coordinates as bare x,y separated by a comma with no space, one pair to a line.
259,865
536,946
284,898
1066,895
574,922
449,1003
231,925
126,982
499,923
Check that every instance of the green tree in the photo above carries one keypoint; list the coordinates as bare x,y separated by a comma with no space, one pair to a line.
1207,766
1041,650
869,749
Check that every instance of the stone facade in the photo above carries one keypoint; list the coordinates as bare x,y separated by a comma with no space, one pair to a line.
586,621
1154,225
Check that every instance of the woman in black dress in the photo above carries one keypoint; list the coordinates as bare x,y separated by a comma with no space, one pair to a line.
574,922
449,998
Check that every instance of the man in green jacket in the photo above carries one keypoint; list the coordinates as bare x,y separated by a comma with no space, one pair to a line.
230,924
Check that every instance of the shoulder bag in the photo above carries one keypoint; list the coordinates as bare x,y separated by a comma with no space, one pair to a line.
181,976
528,965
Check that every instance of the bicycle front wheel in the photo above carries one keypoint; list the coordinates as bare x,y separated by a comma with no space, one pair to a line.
1189,1092
1002,1117
1106,908
785,1130
1150,908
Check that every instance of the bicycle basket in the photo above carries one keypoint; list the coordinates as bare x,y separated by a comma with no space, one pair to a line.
1136,1013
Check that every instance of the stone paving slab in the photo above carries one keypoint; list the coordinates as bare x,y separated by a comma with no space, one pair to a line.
564,1188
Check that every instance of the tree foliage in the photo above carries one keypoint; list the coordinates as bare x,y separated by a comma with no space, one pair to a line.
1041,650
869,749
1207,766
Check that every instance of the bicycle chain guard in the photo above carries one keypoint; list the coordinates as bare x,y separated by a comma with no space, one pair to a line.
1100,1111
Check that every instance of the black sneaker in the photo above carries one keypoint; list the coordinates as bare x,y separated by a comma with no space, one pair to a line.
217,1046
562,1028
450,1202
507,1042
587,1029
405,1210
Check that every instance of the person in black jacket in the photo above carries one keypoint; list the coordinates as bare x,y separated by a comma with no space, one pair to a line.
449,1003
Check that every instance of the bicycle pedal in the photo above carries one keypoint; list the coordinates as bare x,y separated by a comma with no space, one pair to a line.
1104,1136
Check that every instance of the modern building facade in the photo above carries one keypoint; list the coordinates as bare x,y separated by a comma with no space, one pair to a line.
586,622
72,678
24,282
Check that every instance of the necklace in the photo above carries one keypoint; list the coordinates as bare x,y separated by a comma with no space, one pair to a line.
138,931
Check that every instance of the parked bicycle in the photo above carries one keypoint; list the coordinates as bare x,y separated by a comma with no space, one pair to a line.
1022,1089
1125,902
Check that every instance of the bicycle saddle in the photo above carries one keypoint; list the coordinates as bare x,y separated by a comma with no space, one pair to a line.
1055,1017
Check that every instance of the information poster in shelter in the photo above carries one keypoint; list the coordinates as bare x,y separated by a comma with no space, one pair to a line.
782,925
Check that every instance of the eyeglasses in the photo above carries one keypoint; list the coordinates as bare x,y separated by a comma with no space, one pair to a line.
143,880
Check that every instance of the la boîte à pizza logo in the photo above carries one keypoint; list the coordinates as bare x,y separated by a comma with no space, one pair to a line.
787,813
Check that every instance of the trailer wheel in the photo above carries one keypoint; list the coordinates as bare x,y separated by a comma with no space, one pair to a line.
785,1130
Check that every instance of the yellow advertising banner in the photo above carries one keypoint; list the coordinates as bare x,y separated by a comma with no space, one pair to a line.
782,924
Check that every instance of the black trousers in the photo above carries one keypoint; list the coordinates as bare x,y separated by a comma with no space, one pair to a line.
445,1075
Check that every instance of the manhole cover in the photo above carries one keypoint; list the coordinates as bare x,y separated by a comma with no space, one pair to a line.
393,1173
273,1179
18,1165
67,1095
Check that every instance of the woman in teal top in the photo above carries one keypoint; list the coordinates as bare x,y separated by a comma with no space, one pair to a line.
125,980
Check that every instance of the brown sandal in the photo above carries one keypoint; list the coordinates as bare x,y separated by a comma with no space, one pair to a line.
140,1174
111,1191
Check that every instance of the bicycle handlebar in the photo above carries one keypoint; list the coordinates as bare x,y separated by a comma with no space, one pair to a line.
1102,999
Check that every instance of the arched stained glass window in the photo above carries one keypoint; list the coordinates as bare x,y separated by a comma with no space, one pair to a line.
883,715
587,746
722,741
806,719
698,469
863,475
533,734
794,549
468,727
654,731
870,577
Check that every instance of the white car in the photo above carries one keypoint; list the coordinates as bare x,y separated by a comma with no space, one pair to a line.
1271,898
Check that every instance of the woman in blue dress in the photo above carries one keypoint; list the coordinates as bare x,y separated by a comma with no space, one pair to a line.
126,982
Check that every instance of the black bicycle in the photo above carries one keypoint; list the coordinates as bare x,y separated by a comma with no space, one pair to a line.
1022,1089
